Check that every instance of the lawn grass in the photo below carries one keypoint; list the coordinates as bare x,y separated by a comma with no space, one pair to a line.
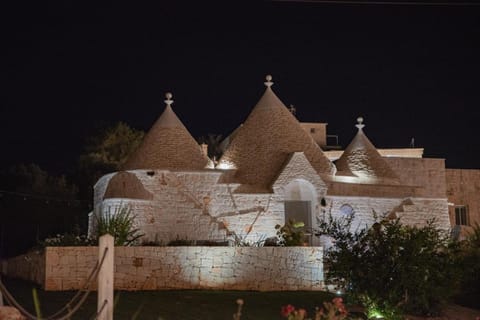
173,304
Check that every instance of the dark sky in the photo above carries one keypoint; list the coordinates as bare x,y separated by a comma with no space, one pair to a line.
69,67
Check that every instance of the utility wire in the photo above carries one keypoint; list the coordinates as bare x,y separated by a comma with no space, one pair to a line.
40,197
402,3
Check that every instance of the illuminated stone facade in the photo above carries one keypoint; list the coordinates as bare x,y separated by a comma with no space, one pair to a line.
163,268
271,170
463,191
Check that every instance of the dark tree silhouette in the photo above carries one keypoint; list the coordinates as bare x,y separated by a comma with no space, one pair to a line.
213,141
105,152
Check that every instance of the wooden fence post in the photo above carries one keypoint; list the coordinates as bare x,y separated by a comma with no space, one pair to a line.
105,278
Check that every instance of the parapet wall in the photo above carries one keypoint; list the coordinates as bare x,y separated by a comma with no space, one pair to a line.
29,266
163,268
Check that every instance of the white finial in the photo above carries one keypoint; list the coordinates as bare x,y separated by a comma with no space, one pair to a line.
269,82
169,100
360,124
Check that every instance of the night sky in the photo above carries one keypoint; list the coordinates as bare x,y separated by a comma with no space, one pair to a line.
70,67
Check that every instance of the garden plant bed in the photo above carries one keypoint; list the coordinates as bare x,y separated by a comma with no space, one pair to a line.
173,304
452,312
195,304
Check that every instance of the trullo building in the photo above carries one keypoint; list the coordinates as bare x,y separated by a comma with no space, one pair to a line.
273,168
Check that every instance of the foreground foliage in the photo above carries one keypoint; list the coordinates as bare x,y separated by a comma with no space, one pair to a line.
469,262
120,224
105,151
67,240
334,310
391,268
291,234
173,304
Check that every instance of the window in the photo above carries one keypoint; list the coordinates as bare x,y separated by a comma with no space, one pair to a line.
347,211
461,215
312,130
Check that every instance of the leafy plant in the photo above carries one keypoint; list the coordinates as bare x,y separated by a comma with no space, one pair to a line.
68,240
334,310
392,268
241,241
469,261
105,150
291,234
120,224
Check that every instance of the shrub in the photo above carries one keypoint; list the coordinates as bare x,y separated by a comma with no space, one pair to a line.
469,260
120,224
334,310
392,268
241,241
67,240
291,234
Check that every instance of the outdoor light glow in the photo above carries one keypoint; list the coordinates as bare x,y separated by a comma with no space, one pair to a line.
225,165
346,179
375,314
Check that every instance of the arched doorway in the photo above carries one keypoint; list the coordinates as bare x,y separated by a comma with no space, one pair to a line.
300,198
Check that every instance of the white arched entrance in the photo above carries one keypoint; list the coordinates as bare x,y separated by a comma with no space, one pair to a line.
300,201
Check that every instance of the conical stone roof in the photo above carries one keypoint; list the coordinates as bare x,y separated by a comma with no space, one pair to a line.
263,143
167,145
362,159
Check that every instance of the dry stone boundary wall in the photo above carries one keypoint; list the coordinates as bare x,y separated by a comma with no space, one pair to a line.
163,268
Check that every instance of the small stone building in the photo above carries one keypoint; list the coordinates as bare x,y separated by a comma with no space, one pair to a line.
273,169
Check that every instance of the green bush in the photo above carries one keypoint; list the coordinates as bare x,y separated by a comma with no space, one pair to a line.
291,234
120,224
392,268
469,260
241,241
67,240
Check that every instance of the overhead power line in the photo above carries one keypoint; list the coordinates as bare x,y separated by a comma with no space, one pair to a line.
31,196
403,3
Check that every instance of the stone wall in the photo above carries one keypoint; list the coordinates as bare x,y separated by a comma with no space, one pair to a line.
203,205
363,208
160,268
199,206
411,211
180,208
29,266
463,188
319,132
419,177
426,173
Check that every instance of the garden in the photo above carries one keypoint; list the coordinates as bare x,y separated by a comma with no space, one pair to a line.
387,271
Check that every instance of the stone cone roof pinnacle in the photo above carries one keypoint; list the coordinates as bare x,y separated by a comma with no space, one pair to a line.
362,159
266,139
167,145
